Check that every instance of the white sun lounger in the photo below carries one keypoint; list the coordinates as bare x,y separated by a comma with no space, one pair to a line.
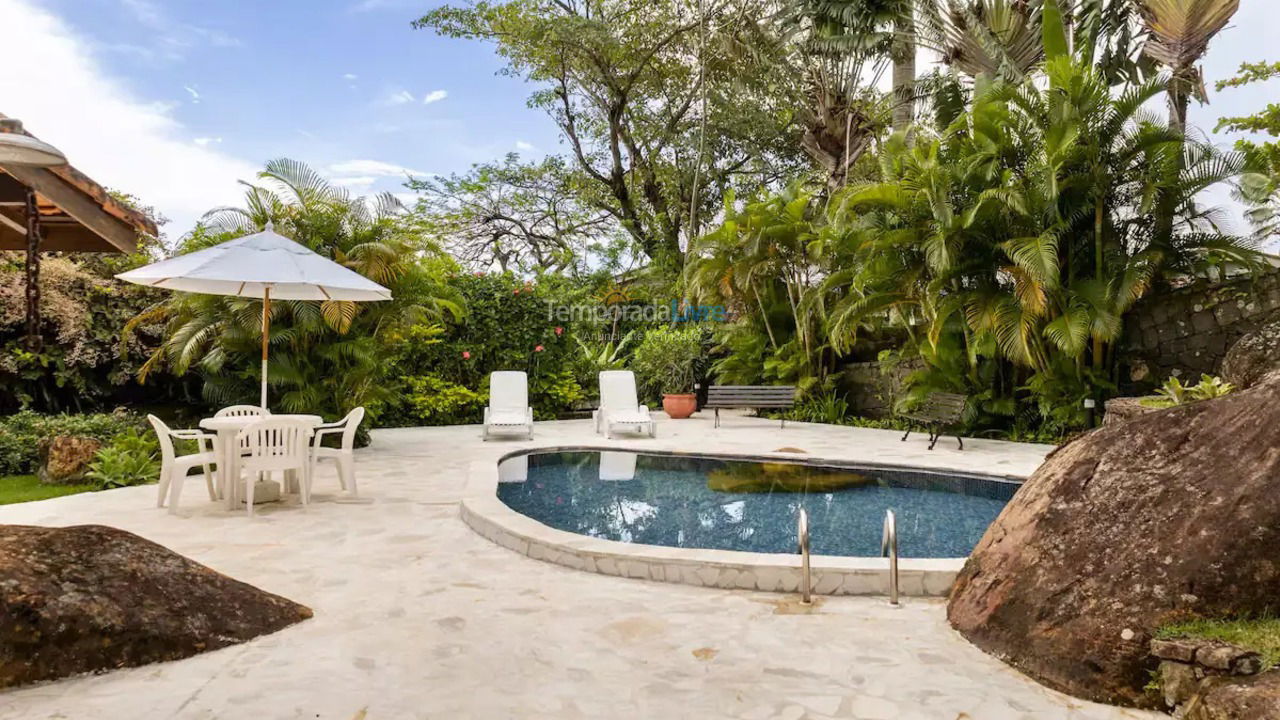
508,404
619,406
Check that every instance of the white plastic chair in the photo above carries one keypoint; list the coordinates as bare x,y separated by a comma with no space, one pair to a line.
241,411
344,457
619,406
508,403
174,468
276,444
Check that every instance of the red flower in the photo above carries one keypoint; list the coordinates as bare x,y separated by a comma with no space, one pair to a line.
466,354
559,330
516,291
538,349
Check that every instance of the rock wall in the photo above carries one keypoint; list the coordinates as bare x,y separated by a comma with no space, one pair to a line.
1212,680
1188,331
873,387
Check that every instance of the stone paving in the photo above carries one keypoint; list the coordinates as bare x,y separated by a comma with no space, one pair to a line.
417,616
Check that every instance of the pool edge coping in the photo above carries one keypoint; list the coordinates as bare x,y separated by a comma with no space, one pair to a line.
482,511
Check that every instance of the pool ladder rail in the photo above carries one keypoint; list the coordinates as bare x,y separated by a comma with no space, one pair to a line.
889,547
802,535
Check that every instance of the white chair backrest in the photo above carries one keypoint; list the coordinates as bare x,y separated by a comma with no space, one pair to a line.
241,411
279,442
162,434
618,390
349,425
508,390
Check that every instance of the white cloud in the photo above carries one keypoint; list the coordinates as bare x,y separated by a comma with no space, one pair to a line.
173,35
360,181
202,141
195,96
376,168
350,76
400,98
129,143
434,96
525,146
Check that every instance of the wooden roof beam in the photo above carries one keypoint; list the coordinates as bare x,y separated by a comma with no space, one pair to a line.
89,213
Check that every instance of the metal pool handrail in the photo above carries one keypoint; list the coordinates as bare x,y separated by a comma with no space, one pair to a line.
889,547
802,535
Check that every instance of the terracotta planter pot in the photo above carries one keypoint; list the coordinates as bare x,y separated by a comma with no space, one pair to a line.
680,406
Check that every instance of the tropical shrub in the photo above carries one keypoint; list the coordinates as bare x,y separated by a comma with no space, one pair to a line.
433,400
82,365
131,458
1174,392
328,357
665,360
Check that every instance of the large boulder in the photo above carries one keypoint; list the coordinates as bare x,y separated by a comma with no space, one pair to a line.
1171,515
1253,356
93,598
64,459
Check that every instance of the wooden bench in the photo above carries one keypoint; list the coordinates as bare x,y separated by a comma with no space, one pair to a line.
750,396
940,412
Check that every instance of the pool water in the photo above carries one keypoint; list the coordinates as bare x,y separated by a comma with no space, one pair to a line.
700,502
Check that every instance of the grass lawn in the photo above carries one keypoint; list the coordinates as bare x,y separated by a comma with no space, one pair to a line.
24,488
1261,636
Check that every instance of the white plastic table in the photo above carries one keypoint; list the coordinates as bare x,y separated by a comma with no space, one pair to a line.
227,451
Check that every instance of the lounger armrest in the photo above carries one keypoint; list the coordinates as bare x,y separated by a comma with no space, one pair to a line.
644,409
486,415
529,411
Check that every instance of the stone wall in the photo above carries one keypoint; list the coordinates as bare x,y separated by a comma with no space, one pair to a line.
1213,680
1187,332
872,388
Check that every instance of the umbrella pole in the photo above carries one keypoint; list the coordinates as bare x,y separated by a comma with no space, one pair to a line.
266,333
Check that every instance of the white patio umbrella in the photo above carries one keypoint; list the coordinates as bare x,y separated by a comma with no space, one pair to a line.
265,265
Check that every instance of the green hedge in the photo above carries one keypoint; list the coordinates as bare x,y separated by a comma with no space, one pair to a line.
21,433
441,373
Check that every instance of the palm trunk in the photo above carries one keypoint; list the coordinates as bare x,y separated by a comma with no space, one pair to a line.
1097,272
1179,98
903,54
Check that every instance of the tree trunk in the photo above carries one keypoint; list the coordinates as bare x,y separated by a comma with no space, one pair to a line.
903,54
34,341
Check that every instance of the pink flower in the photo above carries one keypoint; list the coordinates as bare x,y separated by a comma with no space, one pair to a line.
538,349
479,274
559,330
466,354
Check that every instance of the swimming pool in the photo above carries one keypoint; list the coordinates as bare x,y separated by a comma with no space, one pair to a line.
744,505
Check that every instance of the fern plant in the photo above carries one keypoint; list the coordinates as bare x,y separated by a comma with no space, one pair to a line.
132,458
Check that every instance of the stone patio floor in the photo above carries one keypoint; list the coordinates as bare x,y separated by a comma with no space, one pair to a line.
417,616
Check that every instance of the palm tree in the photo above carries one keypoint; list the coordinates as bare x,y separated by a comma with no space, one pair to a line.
1180,31
1023,231
325,357
992,38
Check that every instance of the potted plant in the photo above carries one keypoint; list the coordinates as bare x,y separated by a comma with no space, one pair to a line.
664,362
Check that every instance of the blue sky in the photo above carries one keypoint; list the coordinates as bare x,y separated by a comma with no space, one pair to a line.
345,85
174,100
